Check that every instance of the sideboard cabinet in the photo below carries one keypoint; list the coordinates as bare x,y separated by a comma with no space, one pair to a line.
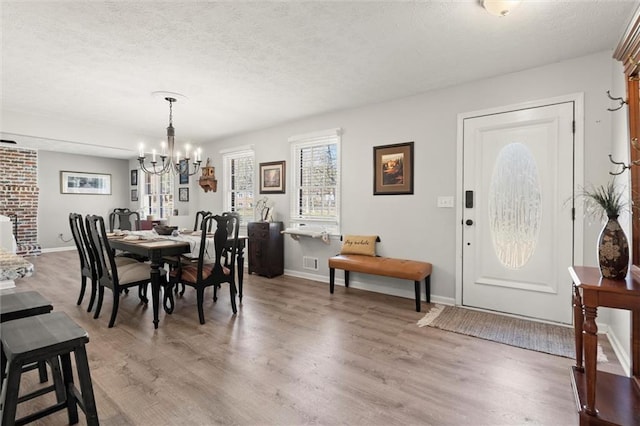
266,248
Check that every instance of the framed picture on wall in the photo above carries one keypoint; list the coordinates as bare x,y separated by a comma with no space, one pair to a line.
184,177
393,169
134,178
134,195
183,194
85,183
272,177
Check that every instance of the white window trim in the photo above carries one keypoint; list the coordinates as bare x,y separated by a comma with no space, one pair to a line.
230,154
298,221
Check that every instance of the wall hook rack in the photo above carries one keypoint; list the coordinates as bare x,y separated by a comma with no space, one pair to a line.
622,102
623,165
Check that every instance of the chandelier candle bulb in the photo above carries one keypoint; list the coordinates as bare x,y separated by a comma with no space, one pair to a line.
154,156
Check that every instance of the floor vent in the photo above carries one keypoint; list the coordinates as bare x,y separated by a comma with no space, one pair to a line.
310,263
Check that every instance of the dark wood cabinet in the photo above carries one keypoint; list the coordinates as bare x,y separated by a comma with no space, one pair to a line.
266,248
618,397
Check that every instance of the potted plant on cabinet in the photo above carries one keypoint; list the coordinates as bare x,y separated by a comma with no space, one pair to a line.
608,201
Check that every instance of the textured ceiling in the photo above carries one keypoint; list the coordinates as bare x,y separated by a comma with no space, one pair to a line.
251,65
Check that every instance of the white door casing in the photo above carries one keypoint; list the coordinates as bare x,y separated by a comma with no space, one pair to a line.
513,255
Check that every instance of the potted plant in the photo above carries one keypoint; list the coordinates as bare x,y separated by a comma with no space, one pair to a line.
613,248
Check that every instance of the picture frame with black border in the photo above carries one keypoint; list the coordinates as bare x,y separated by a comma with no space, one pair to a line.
183,194
184,177
393,169
273,177
134,177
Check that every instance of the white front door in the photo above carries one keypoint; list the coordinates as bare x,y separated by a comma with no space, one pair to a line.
517,227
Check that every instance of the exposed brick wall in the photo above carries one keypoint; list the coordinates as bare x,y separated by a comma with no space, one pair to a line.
19,195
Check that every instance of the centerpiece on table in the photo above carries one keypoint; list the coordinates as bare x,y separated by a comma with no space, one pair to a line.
613,247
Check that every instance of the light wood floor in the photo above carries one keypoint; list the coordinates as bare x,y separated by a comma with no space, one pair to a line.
294,354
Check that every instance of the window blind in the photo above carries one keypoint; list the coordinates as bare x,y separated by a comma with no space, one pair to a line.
239,189
316,186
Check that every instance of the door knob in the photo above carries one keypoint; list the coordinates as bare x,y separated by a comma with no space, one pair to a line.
469,222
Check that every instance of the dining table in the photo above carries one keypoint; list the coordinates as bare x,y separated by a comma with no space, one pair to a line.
155,250
156,247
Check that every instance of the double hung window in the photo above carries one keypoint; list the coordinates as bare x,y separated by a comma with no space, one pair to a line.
315,201
238,171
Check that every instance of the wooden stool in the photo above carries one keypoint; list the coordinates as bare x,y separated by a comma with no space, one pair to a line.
38,338
21,305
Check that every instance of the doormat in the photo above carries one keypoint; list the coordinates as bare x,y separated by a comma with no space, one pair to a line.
536,336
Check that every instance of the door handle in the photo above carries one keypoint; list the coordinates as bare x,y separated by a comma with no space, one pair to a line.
469,222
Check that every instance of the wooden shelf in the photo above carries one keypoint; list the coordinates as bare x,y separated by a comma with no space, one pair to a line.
618,399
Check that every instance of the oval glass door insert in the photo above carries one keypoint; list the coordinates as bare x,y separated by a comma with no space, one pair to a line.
515,209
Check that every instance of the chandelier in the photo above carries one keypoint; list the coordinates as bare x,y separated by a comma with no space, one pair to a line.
170,159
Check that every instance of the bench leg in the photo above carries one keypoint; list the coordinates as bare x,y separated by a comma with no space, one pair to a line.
346,278
417,287
427,287
332,279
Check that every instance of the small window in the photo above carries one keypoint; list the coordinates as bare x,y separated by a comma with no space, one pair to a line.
316,181
238,171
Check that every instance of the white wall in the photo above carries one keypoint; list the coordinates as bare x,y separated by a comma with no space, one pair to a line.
411,226
54,207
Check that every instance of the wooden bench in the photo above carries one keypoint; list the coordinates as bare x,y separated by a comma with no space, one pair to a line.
385,266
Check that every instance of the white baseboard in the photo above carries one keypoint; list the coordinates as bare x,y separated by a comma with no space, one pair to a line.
55,249
623,356
376,288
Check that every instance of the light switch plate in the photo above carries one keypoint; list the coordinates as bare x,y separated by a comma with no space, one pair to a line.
445,202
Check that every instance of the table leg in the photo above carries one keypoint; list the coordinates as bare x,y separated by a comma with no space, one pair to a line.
578,321
590,357
240,262
155,287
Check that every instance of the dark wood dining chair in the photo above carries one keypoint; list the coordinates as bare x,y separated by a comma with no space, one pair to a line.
174,261
201,275
112,276
199,216
120,218
88,268
87,262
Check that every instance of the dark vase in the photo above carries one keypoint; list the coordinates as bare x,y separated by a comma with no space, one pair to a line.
613,250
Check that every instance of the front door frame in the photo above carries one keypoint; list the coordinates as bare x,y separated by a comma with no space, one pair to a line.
578,176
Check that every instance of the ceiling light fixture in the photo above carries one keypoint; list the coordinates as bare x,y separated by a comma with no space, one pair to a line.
171,161
500,7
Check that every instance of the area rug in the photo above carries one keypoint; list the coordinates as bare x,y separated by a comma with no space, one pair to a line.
532,335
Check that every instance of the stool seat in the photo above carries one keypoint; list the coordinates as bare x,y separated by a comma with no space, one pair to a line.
24,304
27,304
38,338
26,338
